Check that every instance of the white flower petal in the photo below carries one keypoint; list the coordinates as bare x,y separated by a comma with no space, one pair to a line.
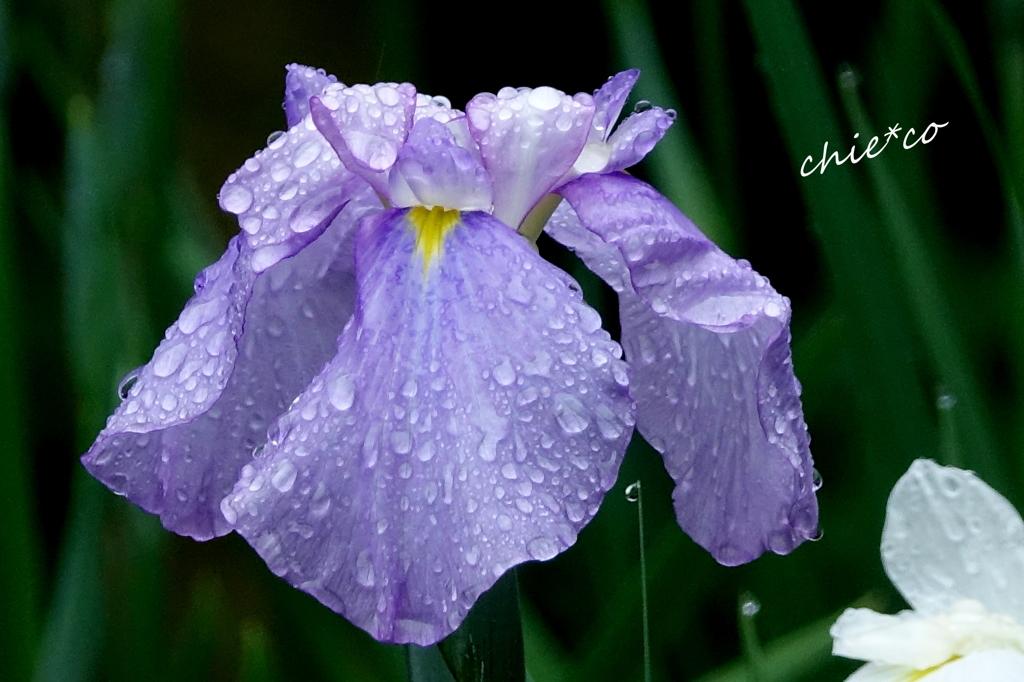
949,536
904,639
986,666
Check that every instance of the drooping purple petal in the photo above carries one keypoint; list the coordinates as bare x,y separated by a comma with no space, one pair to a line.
529,139
241,350
287,194
608,102
707,339
434,170
438,449
949,536
636,136
301,83
366,125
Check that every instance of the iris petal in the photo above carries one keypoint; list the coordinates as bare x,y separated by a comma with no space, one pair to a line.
433,169
437,449
529,139
608,101
708,344
287,194
243,347
366,125
301,83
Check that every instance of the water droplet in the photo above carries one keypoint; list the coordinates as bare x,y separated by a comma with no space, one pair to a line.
945,401
749,606
570,414
284,476
170,360
236,199
542,549
129,380
342,392
504,374
306,154
280,172
633,492
409,388
544,98
364,569
275,139
642,106
816,480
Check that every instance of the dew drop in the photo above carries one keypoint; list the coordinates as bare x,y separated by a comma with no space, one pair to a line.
284,476
170,360
306,154
542,549
750,606
364,569
129,380
342,392
946,401
633,492
504,374
236,199
275,139
570,414
816,480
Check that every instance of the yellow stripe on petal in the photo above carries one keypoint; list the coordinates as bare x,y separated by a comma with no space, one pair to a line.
431,227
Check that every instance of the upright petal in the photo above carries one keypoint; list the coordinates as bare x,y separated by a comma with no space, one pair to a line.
301,83
707,340
242,349
529,139
608,102
366,125
287,194
433,169
950,536
473,419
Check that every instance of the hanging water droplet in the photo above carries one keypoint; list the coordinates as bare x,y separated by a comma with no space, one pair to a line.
633,491
945,401
749,606
816,480
129,380
819,533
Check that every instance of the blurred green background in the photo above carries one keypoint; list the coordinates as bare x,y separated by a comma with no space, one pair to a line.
120,119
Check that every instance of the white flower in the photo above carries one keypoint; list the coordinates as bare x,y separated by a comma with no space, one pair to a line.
954,548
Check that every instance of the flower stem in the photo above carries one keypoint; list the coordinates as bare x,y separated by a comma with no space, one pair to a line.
633,494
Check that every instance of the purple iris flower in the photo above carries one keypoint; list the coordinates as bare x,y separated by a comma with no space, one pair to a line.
394,399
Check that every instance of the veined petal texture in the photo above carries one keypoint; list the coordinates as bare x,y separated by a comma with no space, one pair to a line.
707,339
949,536
529,139
473,419
241,350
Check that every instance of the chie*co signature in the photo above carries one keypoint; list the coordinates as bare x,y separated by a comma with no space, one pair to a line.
927,136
